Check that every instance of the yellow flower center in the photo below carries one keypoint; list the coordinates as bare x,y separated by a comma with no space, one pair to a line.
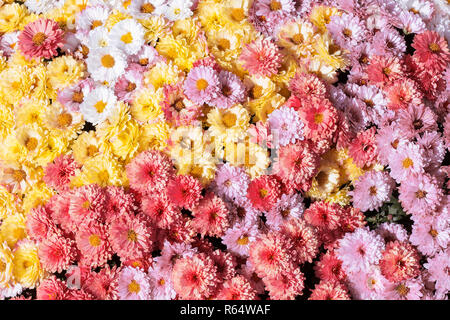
19,175
229,119
402,290
64,119
434,47
434,233
39,38
130,87
263,193
2,266
94,240
84,50
177,11
297,38
202,84
223,44
256,92
238,14
134,287
162,282
78,97
86,204
373,190
318,118
127,38
103,176
132,236
147,8
420,194
347,32
95,24
91,150
108,61
242,241
407,163
387,71
31,143
100,106
143,61
275,5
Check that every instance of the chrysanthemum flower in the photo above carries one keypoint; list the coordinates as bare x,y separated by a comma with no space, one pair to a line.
202,85
372,190
133,284
184,191
92,241
384,70
329,267
264,192
304,85
232,90
41,39
195,277
98,105
160,210
211,216
363,149
271,254
88,203
323,215
430,234
347,30
392,231
40,225
416,120
402,93
127,35
287,208
58,173
56,253
388,42
51,288
285,125
149,171
400,261
118,201
286,285
438,266
431,50
304,237
236,288
411,289
261,57
239,237
106,64
231,182
103,285
330,290
368,285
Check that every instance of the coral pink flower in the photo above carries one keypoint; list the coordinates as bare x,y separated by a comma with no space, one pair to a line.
236,288
40,225
88,203
324,215
58,173
330,290
92,241
431,50
160,210
363,149
305,85
304,237
384,70
264,192
261,57
103,284
149,171
51,288
56,253
225,263
285,285
118,201
320,118
211,216
185,191
129,237
271,254
329,267
400,261
195,277
41,39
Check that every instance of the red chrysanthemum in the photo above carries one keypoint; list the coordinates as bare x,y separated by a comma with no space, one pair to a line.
225,264
40,224
195,277
329,267
150,171
51,288
185,191
285,285
160,210
403,93
400,261
118,201
383,70
236,288
88,203
330,290
264,192
304,237
323,215
305,85
211,216
103,284
431,50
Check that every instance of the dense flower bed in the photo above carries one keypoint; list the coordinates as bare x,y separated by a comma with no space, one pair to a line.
235,149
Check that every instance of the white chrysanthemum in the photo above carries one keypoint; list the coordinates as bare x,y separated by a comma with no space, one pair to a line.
98,105
8,43
178,10
91,18
11,290
42,6
127,35
143,9
96,38
106,64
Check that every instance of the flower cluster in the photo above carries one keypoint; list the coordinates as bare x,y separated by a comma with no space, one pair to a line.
236,149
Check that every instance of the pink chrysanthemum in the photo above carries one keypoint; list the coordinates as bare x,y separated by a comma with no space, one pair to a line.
239,238
129,237
103,284
368,284
411,289
92,241
264,192
419,194
274,10
71,97
271,254
319,117
133,284
202,85
363,149
388,140
195,277
285,124
231,182
329,268
400,261
392,231
149,172
78,294
58,173
160,210
88,203
128,84
388,42
406,161
41,39
56,253
296,164
431,50
58,206
372,190
415,120
171,252
161,283
438,267
178,109
285,285
118,201
51,288
261,57
211,216
359,250
430,234
287,208
347,30
330,290
225,263
236,288
323,215
40,225
184,191
382,70
305,85
304,237
232,90
403,93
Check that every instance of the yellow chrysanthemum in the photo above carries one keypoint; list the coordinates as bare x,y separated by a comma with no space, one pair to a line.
321,15
33,138
64,71
12,150
61,122
70,10
210,15
297,37
9,203
329,53
340,197
146,105
27,268
86,146
114,17
323,70
6,122
15,83
11,16
325,182
153,136
20,177
30,111
287,70
42,88
230,123
161,74
6,264
156,27
103,170
3,63
351,170
123,140
54,145
39,194
18,59
13,229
